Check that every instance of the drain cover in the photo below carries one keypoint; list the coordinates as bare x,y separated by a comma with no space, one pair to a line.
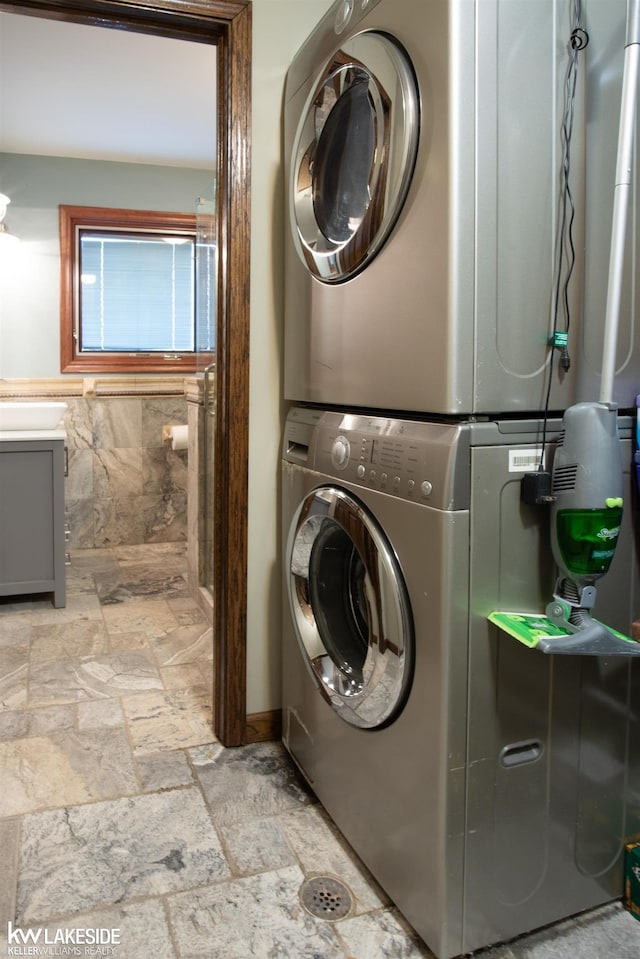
326,898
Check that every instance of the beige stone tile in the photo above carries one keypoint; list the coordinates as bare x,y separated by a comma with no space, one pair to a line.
164,517
98,713
56,641
180,677
117,423
133,640
37,773
151,616
150,553
187,611
110,852
175,719
92,677
78,421
321,848
142,930
78,482
117,473
257,845
132,583
118,520
21,723
64,768
384,934
258,916
164,770
248,784
93,559
79,607
13,676
184,644
15,628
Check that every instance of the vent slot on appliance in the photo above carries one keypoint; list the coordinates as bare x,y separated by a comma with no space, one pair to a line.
564,478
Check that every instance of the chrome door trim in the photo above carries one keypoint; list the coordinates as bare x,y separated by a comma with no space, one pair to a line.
375,61
370,694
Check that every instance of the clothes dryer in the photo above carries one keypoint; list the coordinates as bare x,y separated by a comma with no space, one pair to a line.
488,787
423,151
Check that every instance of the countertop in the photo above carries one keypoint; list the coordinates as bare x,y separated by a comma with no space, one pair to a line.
12,436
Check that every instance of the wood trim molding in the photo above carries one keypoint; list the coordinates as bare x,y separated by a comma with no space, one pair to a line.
264,727
231,455
226,23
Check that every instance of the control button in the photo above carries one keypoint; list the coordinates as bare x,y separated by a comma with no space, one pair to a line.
372,475
384,477
426,488
340,452
411,485
396,481
361,471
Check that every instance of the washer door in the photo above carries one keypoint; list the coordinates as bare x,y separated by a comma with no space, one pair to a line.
350,608
353,156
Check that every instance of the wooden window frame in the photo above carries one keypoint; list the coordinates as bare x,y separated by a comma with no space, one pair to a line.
72,359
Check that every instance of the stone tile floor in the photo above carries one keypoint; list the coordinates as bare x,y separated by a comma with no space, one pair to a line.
120,811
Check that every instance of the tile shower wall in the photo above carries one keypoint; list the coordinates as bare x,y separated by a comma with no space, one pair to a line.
123,486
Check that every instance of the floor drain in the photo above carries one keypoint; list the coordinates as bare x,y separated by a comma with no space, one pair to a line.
326,898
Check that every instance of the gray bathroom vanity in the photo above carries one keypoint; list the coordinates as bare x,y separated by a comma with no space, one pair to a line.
32,545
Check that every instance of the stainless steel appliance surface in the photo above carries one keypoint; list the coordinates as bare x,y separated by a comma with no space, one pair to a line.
488,787
423,150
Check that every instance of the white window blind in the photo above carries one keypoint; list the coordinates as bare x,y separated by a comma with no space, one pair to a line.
137,293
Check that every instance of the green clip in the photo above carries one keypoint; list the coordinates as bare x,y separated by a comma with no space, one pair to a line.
560,339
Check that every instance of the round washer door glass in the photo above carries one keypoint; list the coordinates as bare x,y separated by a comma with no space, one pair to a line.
353,156
350,607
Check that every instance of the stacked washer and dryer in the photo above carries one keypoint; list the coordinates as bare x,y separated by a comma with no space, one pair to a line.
488,787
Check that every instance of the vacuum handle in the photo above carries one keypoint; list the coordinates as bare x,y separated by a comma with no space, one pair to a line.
621,197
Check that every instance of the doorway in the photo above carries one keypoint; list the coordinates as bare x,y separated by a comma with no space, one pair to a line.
227,25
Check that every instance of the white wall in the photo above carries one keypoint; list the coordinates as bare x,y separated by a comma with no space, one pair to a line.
279,29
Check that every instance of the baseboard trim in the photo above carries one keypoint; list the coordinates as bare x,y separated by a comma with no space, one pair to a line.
263,727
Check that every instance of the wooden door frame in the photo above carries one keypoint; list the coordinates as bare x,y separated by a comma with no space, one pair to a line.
227,25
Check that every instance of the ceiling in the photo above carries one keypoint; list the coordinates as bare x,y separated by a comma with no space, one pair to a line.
73,90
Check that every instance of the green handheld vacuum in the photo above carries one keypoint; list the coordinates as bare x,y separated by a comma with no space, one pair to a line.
586,513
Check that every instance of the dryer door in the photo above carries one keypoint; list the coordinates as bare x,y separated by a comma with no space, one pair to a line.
350,608
353,156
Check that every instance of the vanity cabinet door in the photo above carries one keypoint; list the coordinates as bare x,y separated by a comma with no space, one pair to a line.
32,518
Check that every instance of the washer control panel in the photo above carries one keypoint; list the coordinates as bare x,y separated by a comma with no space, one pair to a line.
412,460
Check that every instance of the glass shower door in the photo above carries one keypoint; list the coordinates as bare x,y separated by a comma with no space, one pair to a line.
206,314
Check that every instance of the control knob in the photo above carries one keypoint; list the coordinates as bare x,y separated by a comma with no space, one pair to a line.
340,452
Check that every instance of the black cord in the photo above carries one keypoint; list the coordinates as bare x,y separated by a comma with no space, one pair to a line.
578,40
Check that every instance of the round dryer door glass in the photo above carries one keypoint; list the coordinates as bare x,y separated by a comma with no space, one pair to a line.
350,608
353,156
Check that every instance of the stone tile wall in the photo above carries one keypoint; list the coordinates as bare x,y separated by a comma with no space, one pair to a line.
124,487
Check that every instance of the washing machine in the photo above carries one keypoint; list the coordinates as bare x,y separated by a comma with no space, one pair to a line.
488,787
423,152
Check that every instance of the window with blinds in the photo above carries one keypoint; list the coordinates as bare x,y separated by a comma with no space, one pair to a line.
137,293
128,292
